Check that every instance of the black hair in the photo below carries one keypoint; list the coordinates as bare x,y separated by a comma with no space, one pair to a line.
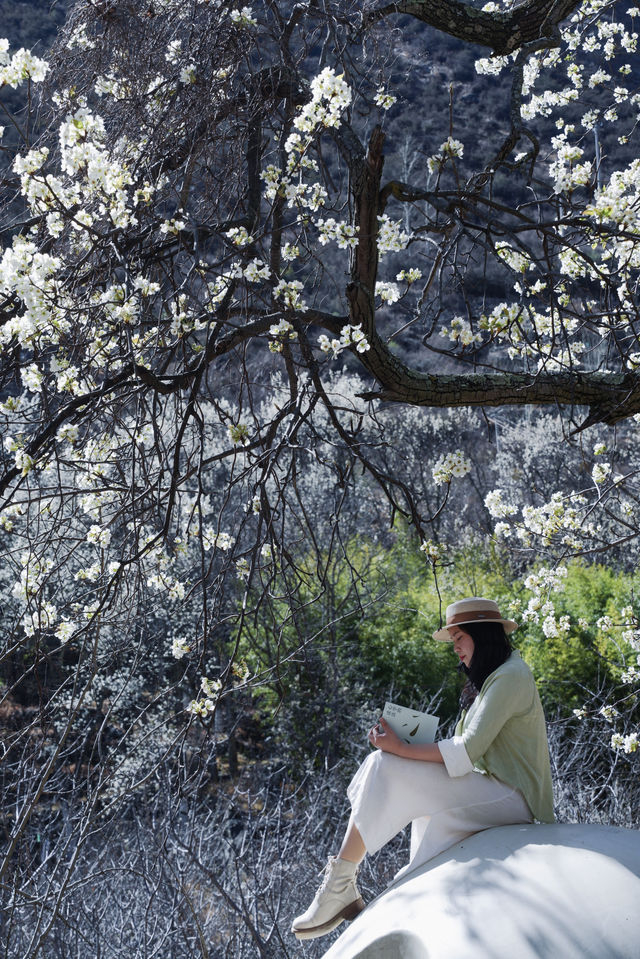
491,648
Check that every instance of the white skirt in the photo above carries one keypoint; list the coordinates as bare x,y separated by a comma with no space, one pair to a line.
389,792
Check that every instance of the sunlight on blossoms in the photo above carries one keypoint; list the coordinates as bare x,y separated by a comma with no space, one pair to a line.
180,648
451,466
349,336
627,744
391,236
388,292
434,552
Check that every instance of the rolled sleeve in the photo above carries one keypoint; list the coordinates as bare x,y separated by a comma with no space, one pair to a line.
455,756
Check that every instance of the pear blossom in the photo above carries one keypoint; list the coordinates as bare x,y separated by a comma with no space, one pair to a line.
290,292
349,336
180,648
388,292
31,378
391,236
239,236
433,551
243,17
343,234
383,99
64,631
409,276
99,536
450,466
460,331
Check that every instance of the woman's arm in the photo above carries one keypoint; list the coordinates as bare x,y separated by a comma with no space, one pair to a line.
383,737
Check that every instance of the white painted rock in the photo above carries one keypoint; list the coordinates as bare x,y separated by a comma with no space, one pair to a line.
516,892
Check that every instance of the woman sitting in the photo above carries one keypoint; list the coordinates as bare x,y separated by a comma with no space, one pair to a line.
494,771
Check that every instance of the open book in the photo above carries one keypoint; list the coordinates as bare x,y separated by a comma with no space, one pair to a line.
410,725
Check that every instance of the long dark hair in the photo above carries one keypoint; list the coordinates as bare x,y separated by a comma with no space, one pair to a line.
491,648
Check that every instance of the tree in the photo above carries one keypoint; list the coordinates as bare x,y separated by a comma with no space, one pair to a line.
201,227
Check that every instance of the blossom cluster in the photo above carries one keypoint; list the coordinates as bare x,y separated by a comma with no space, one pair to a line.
384,99
497,505
461,331
180,648
448,150
344,234
451,465
349,336
434,552
20,67
214,540
409,276
281,332
564,519
627,744
388,292
545,583
243,17
290,292
239,236
391,236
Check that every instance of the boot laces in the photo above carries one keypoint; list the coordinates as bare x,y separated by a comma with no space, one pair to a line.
325,873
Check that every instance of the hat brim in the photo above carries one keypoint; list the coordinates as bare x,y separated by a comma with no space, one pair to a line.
443,635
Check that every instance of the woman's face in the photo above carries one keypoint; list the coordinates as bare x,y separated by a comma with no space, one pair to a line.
462,645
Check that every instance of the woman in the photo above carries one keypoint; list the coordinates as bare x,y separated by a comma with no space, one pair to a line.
494,771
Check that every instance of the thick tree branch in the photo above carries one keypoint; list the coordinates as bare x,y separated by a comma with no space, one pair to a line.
610,396
501,32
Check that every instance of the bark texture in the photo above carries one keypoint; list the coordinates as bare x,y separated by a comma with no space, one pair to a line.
503,33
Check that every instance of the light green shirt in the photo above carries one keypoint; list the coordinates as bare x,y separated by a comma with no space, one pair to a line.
504,734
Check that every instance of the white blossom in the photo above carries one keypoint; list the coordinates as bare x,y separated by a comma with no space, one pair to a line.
239,236
628,744
460,331
31,378
290,292
388,292
213,540
497,506
243,17
345,235
450,466
600,473
349,336
409,276
99,536
391,236
65,631
180,648
383,99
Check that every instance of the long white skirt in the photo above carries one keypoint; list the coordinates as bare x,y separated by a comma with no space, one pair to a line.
389,792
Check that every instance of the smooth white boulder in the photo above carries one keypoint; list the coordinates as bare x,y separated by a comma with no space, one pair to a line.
515,892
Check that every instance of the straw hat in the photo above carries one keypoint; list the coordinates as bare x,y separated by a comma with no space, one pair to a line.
472,610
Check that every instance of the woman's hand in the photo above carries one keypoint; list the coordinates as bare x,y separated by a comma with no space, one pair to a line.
383,737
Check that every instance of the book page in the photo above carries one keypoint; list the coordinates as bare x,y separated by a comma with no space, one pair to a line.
410,725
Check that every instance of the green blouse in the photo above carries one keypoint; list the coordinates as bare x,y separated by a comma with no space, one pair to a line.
503,734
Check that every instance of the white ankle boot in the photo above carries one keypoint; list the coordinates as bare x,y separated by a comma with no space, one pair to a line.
336,899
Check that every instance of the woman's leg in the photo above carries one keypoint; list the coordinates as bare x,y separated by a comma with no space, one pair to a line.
338,897
352,848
